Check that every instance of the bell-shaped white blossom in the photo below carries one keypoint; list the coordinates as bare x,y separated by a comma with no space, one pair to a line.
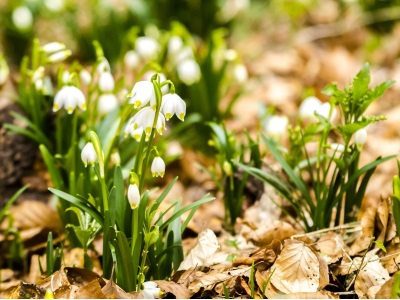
360,137
150,290
175,44
146,47
103,66
186,53
106,82
188,71
59,56
145,118
54,5
308,107
107,103
149,74
171,105
38,78
88,154
158,167
142,93
276,126
325,111
135,133
131,59
22,18
240,73
53,47
70,97
340,148
133,195
85,76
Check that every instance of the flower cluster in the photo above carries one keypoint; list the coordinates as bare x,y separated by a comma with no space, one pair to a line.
312,105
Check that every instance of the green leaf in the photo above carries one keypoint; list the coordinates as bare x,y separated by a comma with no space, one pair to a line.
163,195
121,204
18,193
396,202
85,206
51,167
125,277
360,82
374,94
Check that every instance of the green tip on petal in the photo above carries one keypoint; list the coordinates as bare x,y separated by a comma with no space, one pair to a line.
182,116
70,110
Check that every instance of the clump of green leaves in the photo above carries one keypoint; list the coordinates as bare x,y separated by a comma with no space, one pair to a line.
337,181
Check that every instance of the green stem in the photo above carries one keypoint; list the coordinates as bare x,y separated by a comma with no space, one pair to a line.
135,224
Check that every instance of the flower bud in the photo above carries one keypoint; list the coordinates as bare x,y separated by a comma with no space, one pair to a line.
85,76
131,60
53,47
88,154
133,195
189,71
59,56
106,82
158,167
360,137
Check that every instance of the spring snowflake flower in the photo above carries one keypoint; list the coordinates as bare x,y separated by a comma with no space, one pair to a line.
146,47
175,44
103,66
339,148
22,18
276,126
158,167
85,76
150,290
53,47
308,107
135,133
324,111
131,59
240,73
149,74
142,93
106,82
360,137
69,97
189,71
107,103
88,154
145,117
133,195
172,104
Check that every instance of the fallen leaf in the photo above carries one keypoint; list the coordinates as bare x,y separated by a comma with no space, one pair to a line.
314,295
385,291
178,290
371,274
264,235
92,290
55,281
267,254
81,277
296,269
323,272
331,247
205,247
27,291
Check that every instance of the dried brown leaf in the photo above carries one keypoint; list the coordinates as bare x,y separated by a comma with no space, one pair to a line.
296,269
385,291
81,277
314,295
92,290
266,254
55,281
331,247
178,290
323,273
382,217
265,235
112,290
27,290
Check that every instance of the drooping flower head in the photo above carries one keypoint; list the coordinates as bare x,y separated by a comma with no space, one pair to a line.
150,290
70,97
107,103
133,195
88,154
360,137
158,167
171,105
189,71
145,118
147,47
142,93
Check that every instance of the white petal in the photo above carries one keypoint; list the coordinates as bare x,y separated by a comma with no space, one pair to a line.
106,82
133,195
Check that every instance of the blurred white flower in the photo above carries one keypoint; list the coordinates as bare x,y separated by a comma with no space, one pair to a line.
48,86
308,107
184,54
22,18
54,5
133,195
146,47
189,71
38,77
240,73
340,148
324,111
106,82
103,66
142,93
171,105
59,56
131,59
231,8
360,137
158,167
65,76
88,154
85,76
175,44
230,54
69,97
150,290
276,126
53,47
145,118
135,133
107,103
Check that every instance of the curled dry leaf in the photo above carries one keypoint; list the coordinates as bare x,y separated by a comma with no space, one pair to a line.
27,290
92,290
264,235
331,247
371,274
385,291
391,260
267,254
296,269
178,290
368,227
205,247
263,280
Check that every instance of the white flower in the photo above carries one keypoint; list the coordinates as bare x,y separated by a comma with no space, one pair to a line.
69,97
149,74
85,76
189,71
142,93
158,167
103,66
135,133
171,105
276,126
106,82
107,103
145,117
59,56
175,44
53,47
88,154
240,73
150,290
230,54
38,77
308,107
65,76
48,86
324,111
131,59
22,18
231,8
146,47
340,148
133,195
184,54
360,137
54,5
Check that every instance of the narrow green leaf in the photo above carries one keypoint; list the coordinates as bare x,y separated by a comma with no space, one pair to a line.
52,168
360,82
7,206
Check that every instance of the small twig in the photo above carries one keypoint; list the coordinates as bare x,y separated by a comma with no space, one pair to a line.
345,293
354,225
